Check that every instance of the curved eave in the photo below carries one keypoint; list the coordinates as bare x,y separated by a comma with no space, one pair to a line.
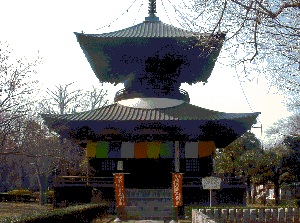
193,122
116,55
115,59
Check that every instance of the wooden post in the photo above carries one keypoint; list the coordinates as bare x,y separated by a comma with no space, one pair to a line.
209,213
210,197
296,215
246,214
239,216
177,169
176,213
281,215
87,172
252,215
177,157
217,214
274,215
267,214
231,216
224,215
260,215
288,215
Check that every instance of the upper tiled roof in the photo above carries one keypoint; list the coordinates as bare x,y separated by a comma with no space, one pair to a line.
149,29
117,112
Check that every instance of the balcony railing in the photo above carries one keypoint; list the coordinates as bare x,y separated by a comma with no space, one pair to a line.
128,94
61,181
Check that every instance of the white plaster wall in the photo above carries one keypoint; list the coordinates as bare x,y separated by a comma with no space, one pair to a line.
150,103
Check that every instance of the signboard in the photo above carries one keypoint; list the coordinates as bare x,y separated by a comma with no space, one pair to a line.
119,189
120,165
177,189
212,183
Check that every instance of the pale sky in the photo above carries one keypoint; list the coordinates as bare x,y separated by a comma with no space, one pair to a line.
45,28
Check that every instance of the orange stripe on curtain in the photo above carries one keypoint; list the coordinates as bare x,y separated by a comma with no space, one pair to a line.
206,148
140,149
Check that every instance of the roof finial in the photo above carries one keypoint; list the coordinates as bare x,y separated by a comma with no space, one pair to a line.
152,10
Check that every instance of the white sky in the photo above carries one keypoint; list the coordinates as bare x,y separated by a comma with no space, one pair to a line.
47,27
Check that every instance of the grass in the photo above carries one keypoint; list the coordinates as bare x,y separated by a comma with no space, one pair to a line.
22,212
18,209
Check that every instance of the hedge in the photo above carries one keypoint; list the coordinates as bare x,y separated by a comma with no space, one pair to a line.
74,214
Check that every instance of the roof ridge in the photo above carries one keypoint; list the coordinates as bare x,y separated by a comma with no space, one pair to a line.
135,31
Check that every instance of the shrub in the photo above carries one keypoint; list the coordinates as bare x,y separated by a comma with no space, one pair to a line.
20,192
22,195
78,213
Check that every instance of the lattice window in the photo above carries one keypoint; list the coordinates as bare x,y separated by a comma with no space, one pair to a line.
192,165
108,165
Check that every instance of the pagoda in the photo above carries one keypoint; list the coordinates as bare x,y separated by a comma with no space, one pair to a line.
151,147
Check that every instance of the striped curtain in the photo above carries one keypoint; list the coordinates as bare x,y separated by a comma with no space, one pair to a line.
206,148
166,150
140,149
127,150
114,150
91,149
102,149
153,149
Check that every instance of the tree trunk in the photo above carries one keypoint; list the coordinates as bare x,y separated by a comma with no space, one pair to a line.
249,201
41,188
253,193
276,192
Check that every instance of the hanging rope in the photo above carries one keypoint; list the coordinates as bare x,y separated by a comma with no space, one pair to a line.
118,17
138,12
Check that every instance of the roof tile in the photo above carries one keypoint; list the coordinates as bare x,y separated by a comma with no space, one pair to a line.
149,29
117,112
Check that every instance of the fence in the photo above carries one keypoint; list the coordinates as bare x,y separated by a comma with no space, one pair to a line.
239,215
200,217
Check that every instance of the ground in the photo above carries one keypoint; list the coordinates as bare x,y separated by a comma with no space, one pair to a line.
8,209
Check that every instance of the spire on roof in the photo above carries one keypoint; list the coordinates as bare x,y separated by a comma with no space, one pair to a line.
152,10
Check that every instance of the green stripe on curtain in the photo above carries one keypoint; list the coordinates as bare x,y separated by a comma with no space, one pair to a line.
102,149
166,150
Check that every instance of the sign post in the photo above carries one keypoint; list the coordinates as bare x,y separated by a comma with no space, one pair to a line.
211,183
119,193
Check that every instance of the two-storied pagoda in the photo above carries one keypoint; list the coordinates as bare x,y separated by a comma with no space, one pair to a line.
151,146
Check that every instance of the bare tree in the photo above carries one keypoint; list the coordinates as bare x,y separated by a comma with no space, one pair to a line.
16,84
262,35
94,99
62,100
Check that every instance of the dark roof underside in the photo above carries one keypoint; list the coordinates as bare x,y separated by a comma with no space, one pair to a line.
116,56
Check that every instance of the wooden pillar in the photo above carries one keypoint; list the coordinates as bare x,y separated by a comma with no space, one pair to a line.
177,169
88,171
177,157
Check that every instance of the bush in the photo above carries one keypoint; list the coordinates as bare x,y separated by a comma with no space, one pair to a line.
20,192
20,195
74,214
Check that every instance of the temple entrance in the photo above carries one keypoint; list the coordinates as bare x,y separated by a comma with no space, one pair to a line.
148,173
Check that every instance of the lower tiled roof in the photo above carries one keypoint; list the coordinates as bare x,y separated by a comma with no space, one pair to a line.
117,112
